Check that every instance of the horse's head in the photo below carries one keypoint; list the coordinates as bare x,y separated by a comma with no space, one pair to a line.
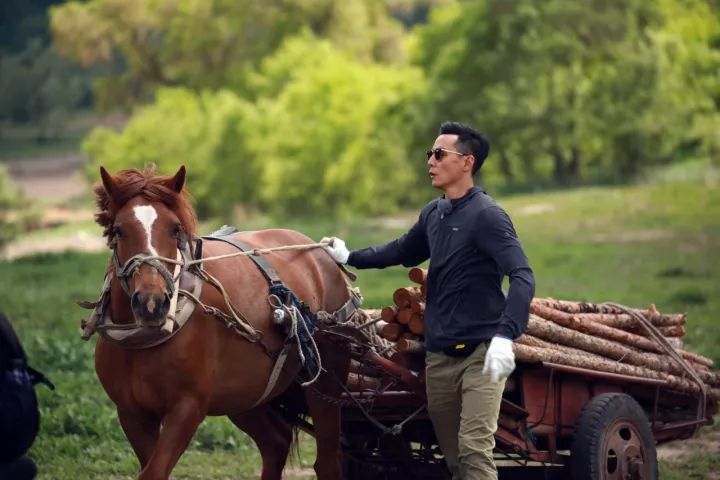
147,221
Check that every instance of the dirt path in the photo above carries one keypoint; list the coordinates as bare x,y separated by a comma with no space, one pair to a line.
48,179
49,182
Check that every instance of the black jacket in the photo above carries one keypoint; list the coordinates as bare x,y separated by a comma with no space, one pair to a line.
472,245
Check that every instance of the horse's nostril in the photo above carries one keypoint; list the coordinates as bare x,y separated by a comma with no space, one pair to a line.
166,303
135,303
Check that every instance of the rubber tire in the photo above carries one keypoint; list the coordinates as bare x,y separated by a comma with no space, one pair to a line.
587,461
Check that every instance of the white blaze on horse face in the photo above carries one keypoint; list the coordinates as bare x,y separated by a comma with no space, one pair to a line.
146,214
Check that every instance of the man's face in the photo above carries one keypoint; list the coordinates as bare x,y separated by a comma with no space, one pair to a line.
452,167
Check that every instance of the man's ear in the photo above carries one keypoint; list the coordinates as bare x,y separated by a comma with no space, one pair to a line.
107,181
470,161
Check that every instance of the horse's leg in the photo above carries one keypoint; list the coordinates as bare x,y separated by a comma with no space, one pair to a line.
141,429
326,413
326,426
271,434
178,427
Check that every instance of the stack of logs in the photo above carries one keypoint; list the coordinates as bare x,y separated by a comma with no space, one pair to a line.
593,336
404,322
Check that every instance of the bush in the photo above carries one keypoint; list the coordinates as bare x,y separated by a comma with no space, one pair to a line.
12,218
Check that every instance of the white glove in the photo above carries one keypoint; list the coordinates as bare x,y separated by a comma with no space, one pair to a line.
499,359
337,249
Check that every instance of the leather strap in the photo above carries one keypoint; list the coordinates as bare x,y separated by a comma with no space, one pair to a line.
269,272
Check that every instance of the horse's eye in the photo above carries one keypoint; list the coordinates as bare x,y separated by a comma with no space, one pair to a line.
176,229
117,231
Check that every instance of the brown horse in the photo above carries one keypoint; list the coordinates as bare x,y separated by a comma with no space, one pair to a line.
162,393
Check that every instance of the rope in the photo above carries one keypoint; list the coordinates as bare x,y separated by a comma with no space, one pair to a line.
261,251
185,264
219,314
395,429
656,335
296,318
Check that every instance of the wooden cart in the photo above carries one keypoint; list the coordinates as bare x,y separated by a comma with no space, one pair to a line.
555,422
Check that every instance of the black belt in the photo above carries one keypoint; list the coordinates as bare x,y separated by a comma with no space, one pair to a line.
462,349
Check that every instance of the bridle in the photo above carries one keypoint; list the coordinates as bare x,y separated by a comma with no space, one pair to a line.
125,272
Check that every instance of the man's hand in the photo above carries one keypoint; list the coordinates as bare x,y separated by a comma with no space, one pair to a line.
499,359
337,249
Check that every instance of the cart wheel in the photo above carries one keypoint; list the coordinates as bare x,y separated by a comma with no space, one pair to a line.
613,441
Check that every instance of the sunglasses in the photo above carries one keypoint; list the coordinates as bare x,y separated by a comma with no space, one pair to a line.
439,153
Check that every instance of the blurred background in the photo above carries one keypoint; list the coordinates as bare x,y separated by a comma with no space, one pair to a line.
603,117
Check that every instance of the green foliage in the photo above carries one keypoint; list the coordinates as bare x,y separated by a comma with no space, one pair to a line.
330,136
39,86
206,132
566,88
324,135
208,44
12,216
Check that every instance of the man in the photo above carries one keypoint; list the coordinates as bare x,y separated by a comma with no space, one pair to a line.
469,323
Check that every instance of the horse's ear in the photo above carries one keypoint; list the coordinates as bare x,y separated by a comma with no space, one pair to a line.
178,181
107,181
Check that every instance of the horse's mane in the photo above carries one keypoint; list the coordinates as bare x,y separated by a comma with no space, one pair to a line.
132,182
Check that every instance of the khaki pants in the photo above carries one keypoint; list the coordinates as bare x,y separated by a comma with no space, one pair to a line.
464,406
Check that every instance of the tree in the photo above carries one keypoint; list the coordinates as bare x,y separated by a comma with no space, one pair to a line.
205,131
208,44
331,134
325,134
561,86
41,87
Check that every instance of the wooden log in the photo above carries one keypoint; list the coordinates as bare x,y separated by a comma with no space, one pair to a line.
392,331
417,324
532,354
417,307
418,275
407,345
403,296
410,360
366,369
533,341
651,313
610,333
669,331
423,290
388,314
547,330
362,382
600,330
404,315
370,313
379,325
626,322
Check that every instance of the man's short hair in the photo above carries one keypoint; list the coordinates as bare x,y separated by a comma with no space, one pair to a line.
469,141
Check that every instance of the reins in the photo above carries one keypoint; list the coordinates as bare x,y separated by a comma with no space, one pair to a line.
140,258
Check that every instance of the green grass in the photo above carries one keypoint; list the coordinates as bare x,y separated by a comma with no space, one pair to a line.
634,245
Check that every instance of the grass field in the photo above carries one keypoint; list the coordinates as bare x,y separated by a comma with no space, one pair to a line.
634,245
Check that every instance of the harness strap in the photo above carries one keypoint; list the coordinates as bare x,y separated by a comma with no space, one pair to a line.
345,313
269,272
275,374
